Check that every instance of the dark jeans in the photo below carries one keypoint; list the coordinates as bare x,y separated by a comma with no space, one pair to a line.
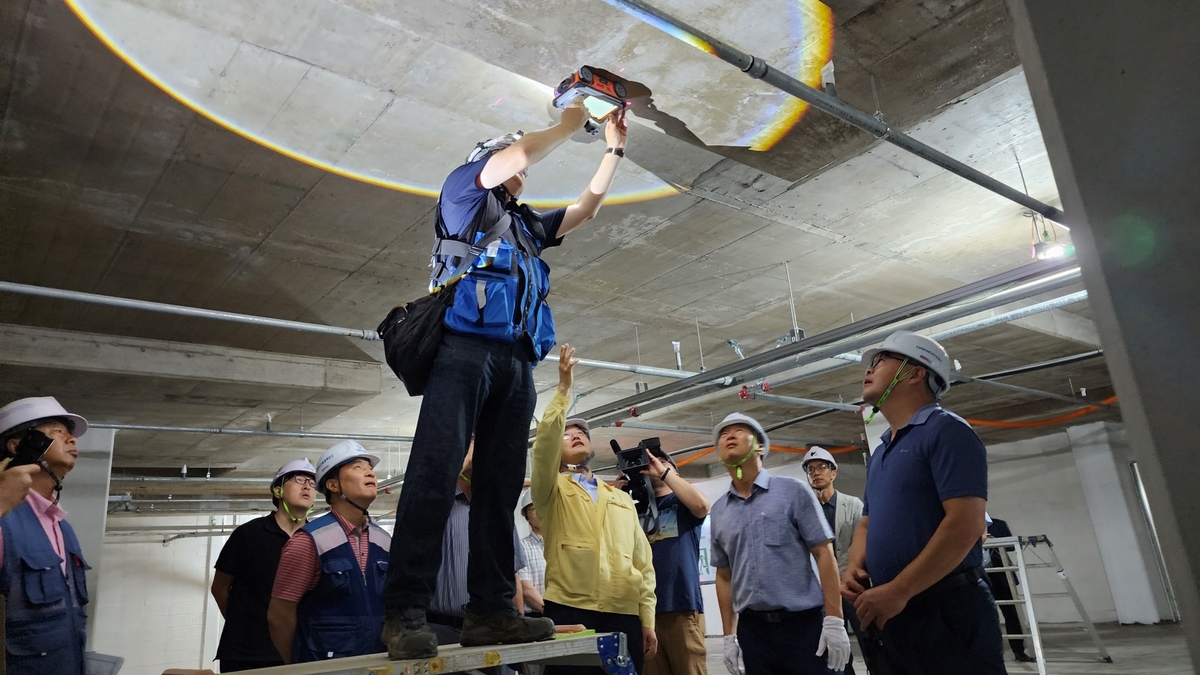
948,633
479,387
236,665
1012,620
601,622
851,617
784,646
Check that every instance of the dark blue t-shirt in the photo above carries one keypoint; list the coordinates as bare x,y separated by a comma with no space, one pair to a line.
936,457
676,549
462,197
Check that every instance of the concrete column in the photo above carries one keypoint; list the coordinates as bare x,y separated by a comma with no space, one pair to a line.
1115,86
1128,579
85,499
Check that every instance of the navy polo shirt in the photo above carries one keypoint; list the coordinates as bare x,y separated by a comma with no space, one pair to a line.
935,457
461,197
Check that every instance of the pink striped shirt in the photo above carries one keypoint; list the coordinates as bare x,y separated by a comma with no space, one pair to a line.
49,515
300,567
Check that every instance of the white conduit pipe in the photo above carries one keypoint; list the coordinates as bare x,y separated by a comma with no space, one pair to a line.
249,432
360,333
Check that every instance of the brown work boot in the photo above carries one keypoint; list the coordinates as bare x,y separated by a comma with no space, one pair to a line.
407,636
502,628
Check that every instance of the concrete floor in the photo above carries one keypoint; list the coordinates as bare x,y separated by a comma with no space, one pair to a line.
1135,650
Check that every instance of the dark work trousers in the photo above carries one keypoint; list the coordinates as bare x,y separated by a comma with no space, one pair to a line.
1012,619
782,643
601,622
481,387
236,666
852,621
953,632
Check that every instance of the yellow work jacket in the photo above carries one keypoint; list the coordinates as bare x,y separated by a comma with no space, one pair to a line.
597,556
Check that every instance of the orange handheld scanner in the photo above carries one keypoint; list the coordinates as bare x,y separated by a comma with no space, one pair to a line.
601,96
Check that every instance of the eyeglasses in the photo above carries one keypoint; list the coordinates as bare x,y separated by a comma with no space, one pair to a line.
879,358
303,481
817,467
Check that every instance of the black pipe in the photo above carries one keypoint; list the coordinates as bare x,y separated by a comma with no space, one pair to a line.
761,70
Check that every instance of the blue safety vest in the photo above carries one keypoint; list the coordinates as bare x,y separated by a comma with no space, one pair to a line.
503,297
343,615
45,626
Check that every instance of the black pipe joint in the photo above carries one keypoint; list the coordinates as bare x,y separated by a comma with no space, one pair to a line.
757,68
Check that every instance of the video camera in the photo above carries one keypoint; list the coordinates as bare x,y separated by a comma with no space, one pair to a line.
632,462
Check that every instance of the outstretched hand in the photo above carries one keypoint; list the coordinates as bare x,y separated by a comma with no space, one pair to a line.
574,115
617,129
566,369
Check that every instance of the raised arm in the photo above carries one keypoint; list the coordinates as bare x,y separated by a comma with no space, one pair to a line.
588,204
547,446
532,148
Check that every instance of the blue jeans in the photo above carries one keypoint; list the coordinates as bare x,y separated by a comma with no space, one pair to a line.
782,645
481,387
947,633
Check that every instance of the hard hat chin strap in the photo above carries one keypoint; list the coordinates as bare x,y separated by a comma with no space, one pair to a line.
288,513
57,481
352,503
754,448
900,375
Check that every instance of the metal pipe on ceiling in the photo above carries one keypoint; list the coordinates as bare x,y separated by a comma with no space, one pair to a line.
979,296
179,480
180,310
811,403
360,333
1043,365
627,424
248,432
1026,390
759,69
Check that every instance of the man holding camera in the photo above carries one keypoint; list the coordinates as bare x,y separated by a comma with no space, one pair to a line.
599,566
41,563
780,612
679,618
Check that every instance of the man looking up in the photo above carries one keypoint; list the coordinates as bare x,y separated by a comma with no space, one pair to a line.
780,612
481,382
327,600
245,570
915,567
41,563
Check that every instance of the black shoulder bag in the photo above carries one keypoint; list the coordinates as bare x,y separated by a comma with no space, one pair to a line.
412,333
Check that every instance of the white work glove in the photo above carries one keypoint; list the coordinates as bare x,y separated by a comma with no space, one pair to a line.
835,641
733,656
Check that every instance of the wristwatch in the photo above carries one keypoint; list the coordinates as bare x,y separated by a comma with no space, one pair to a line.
619,152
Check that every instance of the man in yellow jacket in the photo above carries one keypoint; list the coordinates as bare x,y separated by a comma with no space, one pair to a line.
599,567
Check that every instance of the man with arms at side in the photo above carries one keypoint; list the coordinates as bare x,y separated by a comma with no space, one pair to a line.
327,602
776,572
915,569
245,570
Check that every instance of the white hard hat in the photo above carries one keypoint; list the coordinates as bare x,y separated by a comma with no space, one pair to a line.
485,148
525,500
26,410
922,351
341,453
739,418
295,466
817,452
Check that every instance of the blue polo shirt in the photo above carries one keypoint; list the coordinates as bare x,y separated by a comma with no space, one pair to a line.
935,457
461,197
766,540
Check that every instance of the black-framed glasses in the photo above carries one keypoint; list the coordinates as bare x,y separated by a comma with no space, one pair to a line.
881,356
303,481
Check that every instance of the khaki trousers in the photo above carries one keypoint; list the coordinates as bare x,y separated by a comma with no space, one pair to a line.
680,645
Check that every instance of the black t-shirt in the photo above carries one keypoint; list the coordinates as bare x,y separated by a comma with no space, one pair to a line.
251,557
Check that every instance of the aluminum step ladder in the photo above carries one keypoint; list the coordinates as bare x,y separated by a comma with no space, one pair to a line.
1014,552
606,650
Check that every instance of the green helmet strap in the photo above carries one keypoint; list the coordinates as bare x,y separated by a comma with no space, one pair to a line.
900,375
292,518
754,448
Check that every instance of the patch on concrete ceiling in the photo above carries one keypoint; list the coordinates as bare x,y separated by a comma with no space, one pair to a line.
394,95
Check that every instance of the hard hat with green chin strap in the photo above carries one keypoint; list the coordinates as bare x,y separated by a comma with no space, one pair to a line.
759,443
918,350
296,466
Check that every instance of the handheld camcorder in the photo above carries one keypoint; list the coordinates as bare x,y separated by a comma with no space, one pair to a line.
632,462
31,447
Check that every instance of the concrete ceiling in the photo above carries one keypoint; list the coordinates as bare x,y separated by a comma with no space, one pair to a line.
111,186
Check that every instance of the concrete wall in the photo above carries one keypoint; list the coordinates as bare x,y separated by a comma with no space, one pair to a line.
152,606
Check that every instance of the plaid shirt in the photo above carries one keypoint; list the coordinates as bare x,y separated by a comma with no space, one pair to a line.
535,569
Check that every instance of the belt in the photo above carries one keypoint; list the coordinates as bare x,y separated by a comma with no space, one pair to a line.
444,620
776,615
951,582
